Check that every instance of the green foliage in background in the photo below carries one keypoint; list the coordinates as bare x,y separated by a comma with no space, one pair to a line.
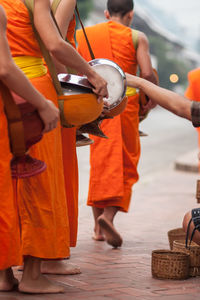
84,6
168,63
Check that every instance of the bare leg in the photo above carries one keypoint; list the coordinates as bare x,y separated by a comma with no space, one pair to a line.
186,220
34,282
7,280
21,268
98,234
59,267
105,222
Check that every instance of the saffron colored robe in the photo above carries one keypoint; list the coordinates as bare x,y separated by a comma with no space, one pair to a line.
70,162
113,161
69,157
193,90
41,200
10,254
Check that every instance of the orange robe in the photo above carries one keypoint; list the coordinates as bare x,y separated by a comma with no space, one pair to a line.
193,90
9,228
114,161
70,162
41,199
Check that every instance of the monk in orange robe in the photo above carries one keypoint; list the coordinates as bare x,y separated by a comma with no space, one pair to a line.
70,160
193,91
12,76
114,161
42,198
64,15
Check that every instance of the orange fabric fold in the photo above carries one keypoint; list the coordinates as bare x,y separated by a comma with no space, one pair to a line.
193,90
42,202
42,198
19,30
9,227
114,161
71,31
71,180
70,162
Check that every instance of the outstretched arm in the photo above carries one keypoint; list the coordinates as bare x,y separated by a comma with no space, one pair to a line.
173,102
16,81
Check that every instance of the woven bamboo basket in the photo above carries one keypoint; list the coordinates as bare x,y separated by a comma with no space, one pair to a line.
194,253
174,235
167,264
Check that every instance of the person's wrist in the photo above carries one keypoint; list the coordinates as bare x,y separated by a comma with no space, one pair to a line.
140,83
42,104
90,72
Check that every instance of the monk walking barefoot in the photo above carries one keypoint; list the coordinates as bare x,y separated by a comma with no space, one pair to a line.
114,161
98,234
105,222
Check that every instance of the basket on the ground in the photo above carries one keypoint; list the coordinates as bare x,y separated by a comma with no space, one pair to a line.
194,254
175,234
167,264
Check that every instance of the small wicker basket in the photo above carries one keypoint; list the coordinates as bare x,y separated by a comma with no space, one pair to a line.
194,253
167,264
175,234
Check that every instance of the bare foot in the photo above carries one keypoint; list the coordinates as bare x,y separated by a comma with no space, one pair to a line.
59,267
98,237
40,285
21,268
98,234
113,238
7,280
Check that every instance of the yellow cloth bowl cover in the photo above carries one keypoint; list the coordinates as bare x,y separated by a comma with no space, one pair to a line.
79,109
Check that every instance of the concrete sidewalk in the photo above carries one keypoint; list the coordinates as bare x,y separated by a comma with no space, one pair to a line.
188,162
158,205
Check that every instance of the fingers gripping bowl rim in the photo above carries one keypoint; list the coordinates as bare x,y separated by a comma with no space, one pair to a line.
75,84
115,78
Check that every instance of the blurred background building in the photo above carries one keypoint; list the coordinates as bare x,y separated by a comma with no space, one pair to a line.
175,47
